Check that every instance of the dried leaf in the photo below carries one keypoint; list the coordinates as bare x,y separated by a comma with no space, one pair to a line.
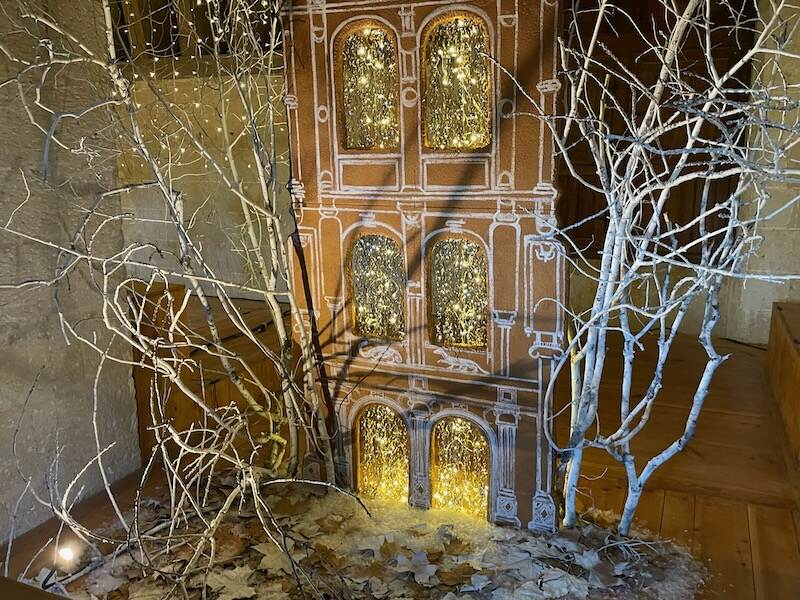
389,549
229,544
146,589
308,530
364,572
418,565
272,590
455,575
555,583
378,588
588,559
232,584
456,546
418,529
476,584
324,554
274,558
621,568
330,523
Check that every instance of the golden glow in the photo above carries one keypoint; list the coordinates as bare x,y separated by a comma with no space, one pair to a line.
368,61
459,293
460,467
378,287
456,76
382,454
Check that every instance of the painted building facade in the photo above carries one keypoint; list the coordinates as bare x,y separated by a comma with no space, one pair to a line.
423,194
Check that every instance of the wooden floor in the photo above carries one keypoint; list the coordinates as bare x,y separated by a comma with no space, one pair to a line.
731,497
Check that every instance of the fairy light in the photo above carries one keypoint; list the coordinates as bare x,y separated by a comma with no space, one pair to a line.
456,103
383,454
378,286
369,89
458,295
460,469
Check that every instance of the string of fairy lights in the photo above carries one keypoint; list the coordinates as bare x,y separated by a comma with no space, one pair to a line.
456,95
178,48
459,469
378,286
456,117
458,293
456,101
383,454
369,89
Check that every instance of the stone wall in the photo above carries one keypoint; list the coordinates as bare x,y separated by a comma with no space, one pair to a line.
747,305
53,426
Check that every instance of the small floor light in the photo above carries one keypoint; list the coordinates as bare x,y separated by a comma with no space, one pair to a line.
66,553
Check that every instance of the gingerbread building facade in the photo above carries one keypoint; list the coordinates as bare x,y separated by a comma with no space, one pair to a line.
424,195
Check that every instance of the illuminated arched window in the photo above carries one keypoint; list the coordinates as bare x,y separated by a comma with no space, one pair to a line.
383,451
457,104
378,287
459,466
368,87
458,293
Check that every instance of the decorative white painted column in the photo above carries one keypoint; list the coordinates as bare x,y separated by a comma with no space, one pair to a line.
419,495
543,509
503,282
505,510
504,320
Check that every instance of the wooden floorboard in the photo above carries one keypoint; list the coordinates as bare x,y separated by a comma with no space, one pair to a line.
677,519
650,511
722,542
776,559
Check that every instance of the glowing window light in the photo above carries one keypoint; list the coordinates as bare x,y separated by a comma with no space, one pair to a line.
382,454
458,294
369,87
378,287
456,103
460,467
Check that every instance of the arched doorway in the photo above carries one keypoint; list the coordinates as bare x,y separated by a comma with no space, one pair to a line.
459,466
383,454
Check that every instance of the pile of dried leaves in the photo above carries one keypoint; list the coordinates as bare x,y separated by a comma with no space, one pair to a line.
337,550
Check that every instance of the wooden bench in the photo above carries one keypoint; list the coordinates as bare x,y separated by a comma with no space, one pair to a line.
783,368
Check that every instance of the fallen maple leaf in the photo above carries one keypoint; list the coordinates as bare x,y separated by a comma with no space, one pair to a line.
228,544
274,558
232,584
418,565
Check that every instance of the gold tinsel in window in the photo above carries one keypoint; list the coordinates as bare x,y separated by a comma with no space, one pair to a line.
460,467
382,454
457,104
369,88
458,294
378,286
